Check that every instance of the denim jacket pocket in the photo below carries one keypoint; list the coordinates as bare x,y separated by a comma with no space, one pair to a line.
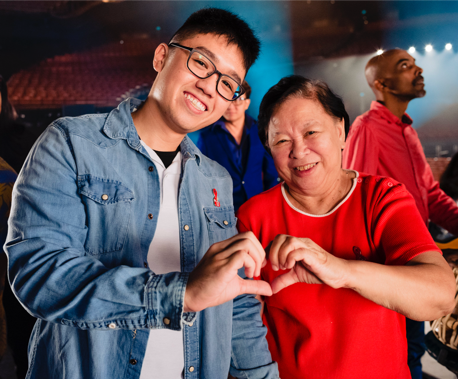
221,223
108,206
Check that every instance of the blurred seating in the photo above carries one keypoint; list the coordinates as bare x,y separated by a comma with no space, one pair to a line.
101,77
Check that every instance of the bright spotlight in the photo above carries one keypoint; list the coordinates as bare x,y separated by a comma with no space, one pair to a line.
379,52
411,49
429,48
448,46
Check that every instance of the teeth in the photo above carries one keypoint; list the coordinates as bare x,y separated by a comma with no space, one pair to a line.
195,102
306,167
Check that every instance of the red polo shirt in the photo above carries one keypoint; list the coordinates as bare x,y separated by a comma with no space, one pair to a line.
379,143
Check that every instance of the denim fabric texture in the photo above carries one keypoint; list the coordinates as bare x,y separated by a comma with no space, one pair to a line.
251,175
84,214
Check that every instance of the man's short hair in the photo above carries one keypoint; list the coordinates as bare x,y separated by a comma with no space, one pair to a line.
222,23
247,88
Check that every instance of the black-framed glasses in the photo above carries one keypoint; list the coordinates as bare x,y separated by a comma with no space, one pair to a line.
202,67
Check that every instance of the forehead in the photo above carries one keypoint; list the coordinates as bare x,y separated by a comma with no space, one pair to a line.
220,51
397,57
298,113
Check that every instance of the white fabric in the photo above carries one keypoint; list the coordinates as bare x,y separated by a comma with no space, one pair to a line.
164,357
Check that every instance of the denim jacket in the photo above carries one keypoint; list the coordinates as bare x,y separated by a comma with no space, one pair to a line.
84,214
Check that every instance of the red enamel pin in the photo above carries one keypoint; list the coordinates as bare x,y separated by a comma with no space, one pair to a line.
215,198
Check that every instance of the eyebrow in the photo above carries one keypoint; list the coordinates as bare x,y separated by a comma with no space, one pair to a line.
213,57
403,60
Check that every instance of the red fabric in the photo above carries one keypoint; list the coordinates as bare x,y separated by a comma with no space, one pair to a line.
379,143
315,331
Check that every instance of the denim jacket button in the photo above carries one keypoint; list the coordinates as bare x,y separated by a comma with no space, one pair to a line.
145,264
191,368
104,196
133,362
150,216
191,324
225,222
112,325
166,321
150,168
186,227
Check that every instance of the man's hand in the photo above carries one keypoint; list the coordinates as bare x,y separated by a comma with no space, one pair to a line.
307,262
215,280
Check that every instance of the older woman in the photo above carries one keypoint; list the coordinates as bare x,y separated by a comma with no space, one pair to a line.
349,255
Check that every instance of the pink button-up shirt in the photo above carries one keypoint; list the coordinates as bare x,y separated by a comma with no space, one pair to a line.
379,143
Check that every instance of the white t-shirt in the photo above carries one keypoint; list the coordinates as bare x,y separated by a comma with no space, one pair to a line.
164,357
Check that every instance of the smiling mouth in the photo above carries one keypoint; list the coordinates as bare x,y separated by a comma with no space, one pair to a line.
306,167
196,103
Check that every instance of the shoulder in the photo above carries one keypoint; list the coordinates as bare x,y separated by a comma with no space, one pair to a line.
210,130
89,127
262,203
380,188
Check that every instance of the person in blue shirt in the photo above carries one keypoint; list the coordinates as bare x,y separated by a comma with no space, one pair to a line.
98,220
234,143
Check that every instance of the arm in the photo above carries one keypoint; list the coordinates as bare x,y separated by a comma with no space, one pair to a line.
361,149
50,272
414,281
270,174
443,210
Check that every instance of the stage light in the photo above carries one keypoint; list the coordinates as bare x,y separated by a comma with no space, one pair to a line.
448,46
379,52
429,48
411,49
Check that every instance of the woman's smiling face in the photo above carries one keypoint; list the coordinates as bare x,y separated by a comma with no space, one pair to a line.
306,145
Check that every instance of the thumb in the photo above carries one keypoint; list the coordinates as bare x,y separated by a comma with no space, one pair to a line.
255,287
284,280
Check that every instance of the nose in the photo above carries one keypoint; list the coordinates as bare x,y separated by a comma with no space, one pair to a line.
208,85
299,149
419,71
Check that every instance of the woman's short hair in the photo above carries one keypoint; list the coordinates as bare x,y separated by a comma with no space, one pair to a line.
298,86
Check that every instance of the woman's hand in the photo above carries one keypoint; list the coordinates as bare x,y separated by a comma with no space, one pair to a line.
307,262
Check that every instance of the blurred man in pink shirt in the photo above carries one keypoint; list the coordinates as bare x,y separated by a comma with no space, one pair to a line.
383,142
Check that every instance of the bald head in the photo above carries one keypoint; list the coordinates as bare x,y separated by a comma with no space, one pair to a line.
394,74
380,66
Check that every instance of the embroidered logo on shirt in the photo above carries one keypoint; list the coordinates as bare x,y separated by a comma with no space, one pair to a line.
359,256
215,198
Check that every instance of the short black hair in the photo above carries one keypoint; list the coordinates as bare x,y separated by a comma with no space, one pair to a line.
298,86
449,179
222,23
247,89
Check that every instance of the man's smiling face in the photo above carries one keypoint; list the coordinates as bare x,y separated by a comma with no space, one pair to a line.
187,103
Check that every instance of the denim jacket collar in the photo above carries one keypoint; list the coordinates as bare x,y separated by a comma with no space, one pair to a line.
119,125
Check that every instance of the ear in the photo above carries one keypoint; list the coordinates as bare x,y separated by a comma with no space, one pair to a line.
160,55
379,85
340,125
246,103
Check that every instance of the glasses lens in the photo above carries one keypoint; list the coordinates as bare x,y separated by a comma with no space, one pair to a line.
229,88
200,65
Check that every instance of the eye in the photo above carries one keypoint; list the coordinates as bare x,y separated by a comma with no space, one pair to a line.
281,141
309,133
200,62
227,84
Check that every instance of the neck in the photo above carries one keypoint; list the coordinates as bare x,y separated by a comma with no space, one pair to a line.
153,130
236,128
395,105
323,202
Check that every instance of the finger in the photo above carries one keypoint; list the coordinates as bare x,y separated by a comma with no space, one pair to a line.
242,259
255,287
289,245
256,252
284,280
222,245
273,251
310,257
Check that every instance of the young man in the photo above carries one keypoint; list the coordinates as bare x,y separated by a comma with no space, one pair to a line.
383,142
234,143
112,222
